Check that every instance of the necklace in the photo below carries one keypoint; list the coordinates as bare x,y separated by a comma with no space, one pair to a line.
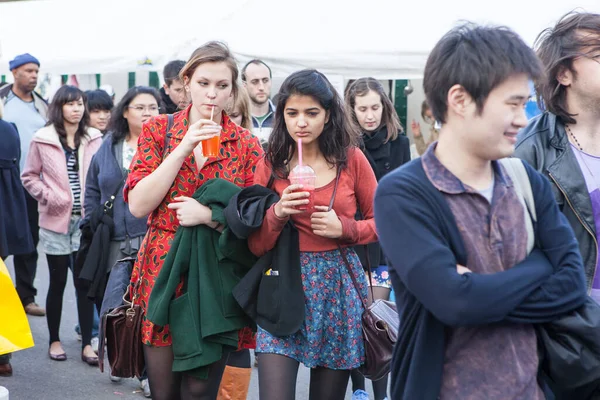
573,137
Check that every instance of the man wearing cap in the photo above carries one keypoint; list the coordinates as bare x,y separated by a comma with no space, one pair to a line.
28,111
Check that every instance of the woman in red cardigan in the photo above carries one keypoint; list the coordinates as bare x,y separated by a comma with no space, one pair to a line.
330,342
161,183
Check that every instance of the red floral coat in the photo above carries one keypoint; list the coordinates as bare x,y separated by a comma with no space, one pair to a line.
238,154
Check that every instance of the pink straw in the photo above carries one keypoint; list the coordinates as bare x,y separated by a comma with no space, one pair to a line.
300,151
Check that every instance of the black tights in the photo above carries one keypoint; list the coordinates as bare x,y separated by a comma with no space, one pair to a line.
358,380
59,267
168,385
277,377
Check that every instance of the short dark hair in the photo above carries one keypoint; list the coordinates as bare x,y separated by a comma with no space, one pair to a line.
99,100
257,62
66,94
479,58
339,133
558,47
118,123
171,71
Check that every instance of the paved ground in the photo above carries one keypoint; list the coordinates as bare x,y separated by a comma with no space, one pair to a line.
36,377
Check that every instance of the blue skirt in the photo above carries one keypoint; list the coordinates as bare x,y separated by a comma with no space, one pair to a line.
331,336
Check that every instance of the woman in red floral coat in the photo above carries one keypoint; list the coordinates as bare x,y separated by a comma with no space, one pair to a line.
162,182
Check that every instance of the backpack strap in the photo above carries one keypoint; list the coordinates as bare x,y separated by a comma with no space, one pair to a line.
518,174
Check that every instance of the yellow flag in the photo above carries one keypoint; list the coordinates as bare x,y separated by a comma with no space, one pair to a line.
15,333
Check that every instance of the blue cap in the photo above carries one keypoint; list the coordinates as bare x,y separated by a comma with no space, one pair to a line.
22,59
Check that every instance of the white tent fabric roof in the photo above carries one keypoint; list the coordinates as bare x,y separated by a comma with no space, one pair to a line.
386,39
69,37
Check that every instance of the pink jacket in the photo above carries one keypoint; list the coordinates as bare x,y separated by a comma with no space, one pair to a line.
46,178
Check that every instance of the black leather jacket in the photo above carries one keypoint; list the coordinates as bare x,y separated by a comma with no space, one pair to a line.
544,144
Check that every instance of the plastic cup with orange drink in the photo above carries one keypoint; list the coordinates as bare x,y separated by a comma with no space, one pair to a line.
210,147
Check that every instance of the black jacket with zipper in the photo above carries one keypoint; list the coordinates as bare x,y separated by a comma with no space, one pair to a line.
544,144
274,300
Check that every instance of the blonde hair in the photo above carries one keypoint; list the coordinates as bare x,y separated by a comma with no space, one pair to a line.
243,104
212,52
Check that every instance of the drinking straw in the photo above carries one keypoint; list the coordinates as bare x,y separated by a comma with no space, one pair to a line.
212,111
300,151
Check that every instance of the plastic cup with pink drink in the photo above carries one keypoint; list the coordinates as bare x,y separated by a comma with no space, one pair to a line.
305,176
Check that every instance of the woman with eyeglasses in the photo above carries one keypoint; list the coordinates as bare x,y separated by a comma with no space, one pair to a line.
108,171
54,174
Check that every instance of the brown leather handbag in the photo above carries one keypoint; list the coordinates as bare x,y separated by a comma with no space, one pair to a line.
379,322
380,331
122,328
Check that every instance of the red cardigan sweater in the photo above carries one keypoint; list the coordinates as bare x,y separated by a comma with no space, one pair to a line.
356,188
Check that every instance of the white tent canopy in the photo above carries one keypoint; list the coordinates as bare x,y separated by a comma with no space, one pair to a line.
383,38
69,37
388,39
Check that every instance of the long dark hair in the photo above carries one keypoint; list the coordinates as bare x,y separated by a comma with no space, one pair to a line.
339,133
575,35
64,95
389,116
118,123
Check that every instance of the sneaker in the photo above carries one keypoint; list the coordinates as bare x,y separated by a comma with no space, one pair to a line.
146,388
95,343
360,395
115,379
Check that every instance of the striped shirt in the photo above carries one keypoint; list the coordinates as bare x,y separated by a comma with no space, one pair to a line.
73,171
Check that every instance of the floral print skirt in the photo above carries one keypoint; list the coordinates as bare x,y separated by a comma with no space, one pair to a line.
331,336
380,277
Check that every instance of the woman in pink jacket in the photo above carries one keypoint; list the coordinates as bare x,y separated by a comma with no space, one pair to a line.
54,174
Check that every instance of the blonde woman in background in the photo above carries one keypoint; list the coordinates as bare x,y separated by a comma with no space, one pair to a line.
239,111
434,133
